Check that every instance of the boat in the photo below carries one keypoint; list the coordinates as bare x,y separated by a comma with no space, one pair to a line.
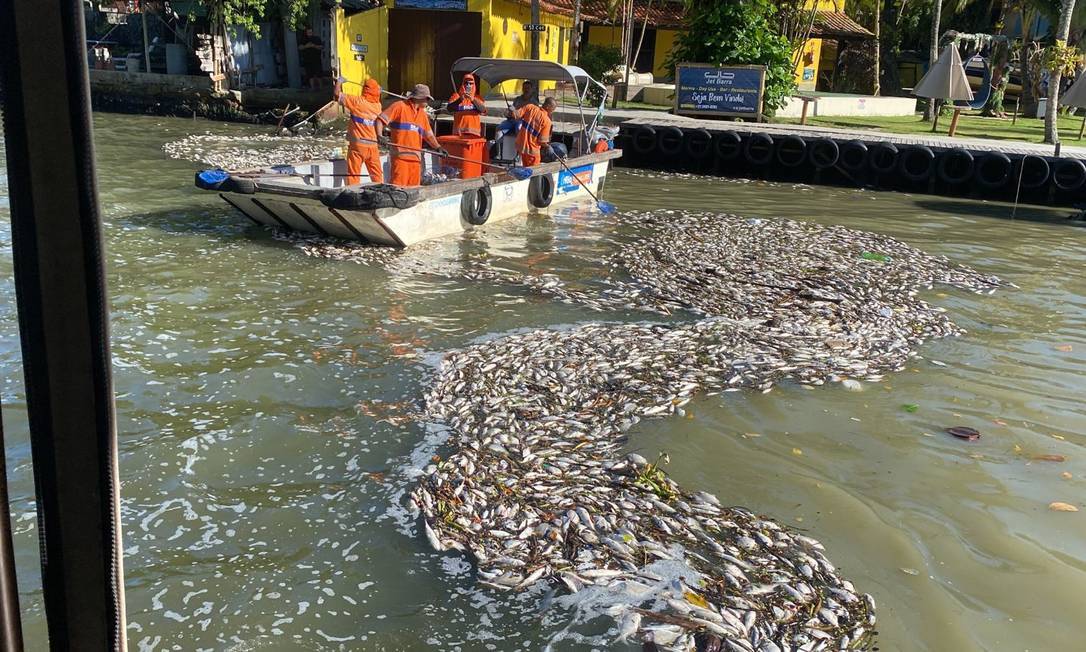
312,196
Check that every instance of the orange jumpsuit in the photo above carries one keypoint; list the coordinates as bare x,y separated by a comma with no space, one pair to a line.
465,114
362,133
533,131
407,126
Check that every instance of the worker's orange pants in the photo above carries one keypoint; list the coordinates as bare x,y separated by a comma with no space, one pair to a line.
528,160
357,154
406,172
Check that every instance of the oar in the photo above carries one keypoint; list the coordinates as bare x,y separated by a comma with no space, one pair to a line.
605,207
516,172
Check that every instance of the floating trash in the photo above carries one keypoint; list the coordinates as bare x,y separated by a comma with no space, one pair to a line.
964,432
241,152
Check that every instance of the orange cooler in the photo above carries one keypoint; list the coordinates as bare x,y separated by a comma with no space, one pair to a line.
471,148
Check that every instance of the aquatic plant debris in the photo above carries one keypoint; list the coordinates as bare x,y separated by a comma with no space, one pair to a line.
536,489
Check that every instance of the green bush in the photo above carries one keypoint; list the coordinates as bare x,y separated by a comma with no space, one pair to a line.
599,61
738,32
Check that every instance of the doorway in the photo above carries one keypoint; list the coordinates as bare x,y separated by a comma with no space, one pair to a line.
424,44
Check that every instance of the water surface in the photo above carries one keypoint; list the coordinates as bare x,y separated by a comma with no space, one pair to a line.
265,455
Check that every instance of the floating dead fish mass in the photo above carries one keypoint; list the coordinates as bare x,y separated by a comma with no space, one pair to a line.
536,488
241,152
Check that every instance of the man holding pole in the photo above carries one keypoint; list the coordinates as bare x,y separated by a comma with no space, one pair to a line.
362,131
408,126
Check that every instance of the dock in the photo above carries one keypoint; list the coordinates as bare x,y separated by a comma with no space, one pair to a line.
1031,173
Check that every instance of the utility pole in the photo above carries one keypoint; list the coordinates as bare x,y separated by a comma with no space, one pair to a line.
535,34
878,45
146,45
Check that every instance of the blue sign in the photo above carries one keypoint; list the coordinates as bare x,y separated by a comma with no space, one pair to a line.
719,90
459,5
568,183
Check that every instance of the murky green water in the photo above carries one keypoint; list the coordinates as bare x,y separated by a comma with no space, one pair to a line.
264,466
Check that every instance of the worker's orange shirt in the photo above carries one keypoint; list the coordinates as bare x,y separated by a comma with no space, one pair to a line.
362,128
466,121
533,129
408,125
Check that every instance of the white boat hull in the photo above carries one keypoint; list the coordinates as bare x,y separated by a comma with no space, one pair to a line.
286,202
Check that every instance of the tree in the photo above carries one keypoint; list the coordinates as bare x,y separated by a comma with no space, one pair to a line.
738,33
249,13
1058,59
933,52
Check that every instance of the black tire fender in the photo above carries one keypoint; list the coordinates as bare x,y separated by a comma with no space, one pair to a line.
644,140
541,190
758,149
955,166
669,141
916,163
993,170
853,156
1034,171
698,144
823,153
728,145
1068,174
791,151
475,205
883,157
240,185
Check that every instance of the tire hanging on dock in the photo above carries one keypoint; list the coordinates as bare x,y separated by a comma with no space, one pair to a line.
541,190
955,166
728,145
475,205
669,142
791,151
915,163
853,157
1034,171
758,149
1068,174
883,157
698,144
644,140
993,170
823,153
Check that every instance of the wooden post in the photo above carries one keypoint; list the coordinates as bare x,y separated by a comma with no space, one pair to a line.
803,115
1017,104
146,45
954,121
935,115
1082,128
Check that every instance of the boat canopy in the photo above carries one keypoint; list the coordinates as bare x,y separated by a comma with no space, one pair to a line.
496,71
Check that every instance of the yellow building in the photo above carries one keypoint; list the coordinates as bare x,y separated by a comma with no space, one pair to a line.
818,59
405,42
660,21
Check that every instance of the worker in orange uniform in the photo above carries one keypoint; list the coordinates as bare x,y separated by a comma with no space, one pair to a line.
534,131
466,106
408,126
362,130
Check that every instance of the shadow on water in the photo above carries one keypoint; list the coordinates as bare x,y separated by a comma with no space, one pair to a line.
1025,213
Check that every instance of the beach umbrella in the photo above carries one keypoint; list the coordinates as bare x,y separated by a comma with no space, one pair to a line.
946,80
1076,97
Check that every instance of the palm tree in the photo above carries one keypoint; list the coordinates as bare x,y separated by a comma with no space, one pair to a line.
1052,133
933,52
